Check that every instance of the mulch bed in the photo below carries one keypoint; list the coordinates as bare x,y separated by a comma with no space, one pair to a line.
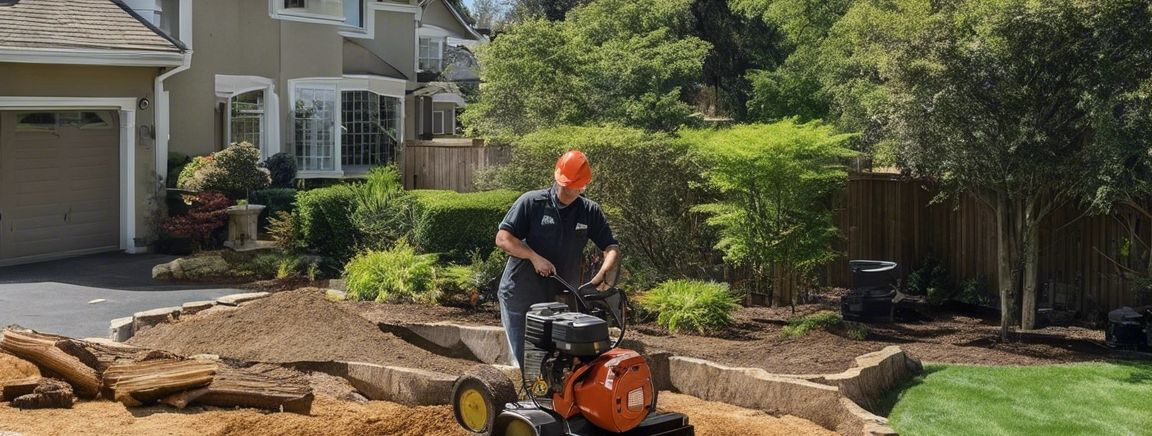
292,326
754,339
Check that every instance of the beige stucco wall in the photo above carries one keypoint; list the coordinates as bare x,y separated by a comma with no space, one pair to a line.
36,80
239,38
395,41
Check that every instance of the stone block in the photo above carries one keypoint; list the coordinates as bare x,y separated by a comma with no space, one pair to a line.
149,318
237,299
401,385
120,329
194,307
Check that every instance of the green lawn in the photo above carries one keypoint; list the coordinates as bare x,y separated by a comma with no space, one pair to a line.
1075,399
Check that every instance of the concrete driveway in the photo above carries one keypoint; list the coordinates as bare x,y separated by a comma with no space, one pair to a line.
54,297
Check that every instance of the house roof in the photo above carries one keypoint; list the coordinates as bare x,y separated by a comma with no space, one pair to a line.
78,24
471,30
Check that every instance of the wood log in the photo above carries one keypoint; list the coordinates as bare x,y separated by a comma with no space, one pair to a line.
243,387
41,350
138,383
11,389
48,394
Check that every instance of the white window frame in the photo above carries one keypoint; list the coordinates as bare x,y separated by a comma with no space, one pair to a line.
277,11
320,82
440,41
230,86
443,116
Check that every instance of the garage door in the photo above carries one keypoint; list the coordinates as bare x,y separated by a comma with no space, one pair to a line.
59,184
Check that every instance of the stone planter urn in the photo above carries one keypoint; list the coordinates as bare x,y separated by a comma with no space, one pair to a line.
243,224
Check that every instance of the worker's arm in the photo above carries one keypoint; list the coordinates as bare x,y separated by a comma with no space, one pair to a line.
517,248
611,260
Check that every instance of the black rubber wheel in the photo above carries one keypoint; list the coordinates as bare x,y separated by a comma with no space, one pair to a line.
479,396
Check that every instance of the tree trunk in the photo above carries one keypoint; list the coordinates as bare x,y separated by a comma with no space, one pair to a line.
1006,254
141,383
244,387
42,350
1031,251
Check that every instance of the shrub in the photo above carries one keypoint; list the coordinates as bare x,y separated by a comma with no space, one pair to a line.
276,200
208,213
383,208
281,170
190,178
456,224
398,274
234,171
800,326
324,221
271,266
283,229
645,182
176,164
690,304
486,273
456,285
930,280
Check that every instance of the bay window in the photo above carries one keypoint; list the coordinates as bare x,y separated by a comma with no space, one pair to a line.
344,126
371,129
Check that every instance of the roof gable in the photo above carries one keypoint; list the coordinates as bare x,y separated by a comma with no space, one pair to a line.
441,14
77,24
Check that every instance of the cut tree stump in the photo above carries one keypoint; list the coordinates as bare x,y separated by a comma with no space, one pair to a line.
135,384
48,394
241,387
42,350
15,388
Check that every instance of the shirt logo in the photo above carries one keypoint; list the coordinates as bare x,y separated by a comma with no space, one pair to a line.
581,226
547,220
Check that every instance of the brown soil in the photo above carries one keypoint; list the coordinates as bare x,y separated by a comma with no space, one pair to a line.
15,368
292,326
754,339
334,417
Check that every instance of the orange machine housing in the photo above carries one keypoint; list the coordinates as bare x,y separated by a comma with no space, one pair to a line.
613,392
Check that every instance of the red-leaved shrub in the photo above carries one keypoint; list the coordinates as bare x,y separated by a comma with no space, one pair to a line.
209,212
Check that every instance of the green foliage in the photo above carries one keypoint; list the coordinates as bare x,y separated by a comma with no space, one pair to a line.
455,224
619,62
283,229
455,284
281,170
234,171
800,326
176,164
930,280
395,275
324,221
775,183
275,200
645,183
383,213
271,266
1088,399
974,291
191,178
691,305
486,273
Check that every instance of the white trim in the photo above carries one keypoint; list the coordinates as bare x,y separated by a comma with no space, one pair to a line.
186,23
127,108
449,98
228,86
369,29
443,114
277,12
163,113
79,56
380,85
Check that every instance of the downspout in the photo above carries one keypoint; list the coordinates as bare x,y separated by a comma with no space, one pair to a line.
163,116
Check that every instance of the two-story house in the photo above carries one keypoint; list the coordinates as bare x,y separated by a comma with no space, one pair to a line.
89,113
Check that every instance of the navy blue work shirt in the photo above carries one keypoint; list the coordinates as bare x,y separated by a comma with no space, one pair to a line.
556,232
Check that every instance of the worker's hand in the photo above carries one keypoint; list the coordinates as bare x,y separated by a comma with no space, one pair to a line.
542,266
600,284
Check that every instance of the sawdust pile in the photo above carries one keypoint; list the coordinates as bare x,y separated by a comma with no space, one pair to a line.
292,326
719,419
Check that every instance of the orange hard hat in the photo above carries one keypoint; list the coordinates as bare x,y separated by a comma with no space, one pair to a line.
572,170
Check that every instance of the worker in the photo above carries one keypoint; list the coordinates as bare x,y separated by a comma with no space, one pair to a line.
544,233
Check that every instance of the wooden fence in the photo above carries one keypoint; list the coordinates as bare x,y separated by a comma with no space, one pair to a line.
447,164
882,216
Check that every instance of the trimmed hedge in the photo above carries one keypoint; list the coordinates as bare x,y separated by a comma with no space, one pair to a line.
324,220
456,225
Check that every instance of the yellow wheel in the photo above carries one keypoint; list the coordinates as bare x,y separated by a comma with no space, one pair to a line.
479,395
517,427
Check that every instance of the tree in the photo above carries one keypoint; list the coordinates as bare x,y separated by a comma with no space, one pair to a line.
551,10
610,62
739,44
1025,105
775,183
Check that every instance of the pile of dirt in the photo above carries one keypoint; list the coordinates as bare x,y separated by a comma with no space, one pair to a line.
292,326
395,314
334,417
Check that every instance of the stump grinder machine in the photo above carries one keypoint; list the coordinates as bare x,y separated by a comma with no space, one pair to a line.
576,380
